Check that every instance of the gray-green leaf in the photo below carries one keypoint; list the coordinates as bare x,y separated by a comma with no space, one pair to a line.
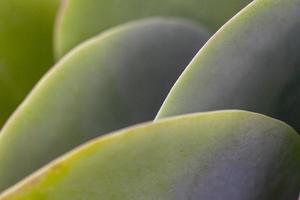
252,63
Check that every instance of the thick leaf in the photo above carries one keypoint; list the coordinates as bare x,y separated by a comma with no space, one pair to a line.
115,80
212,156
25,48
252,63
79,20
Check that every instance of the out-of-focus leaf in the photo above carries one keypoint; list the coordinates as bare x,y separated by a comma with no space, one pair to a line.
79,20
112,81
252,63
219,155
26,29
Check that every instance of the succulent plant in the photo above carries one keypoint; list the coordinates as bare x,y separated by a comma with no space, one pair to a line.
208,106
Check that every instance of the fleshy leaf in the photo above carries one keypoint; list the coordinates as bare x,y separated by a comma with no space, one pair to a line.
112,81
219,155
252,63
80,20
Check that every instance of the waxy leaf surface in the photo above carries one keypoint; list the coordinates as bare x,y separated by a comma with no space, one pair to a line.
219,155
112,81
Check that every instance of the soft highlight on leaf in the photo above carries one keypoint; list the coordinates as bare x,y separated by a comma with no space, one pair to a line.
218,155
112,81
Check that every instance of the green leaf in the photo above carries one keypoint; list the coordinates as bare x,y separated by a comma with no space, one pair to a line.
252,63
25,48
112,81
232,155
80,20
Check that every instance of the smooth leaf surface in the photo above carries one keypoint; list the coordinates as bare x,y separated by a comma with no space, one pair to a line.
26,29
219,155
80,20
112,81
252,63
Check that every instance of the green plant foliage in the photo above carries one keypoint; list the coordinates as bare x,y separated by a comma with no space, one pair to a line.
219,155
112,81
80,20
129,56
252,63
25,48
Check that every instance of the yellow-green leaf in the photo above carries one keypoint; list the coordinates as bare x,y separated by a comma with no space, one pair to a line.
26,29
112,81
230,155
